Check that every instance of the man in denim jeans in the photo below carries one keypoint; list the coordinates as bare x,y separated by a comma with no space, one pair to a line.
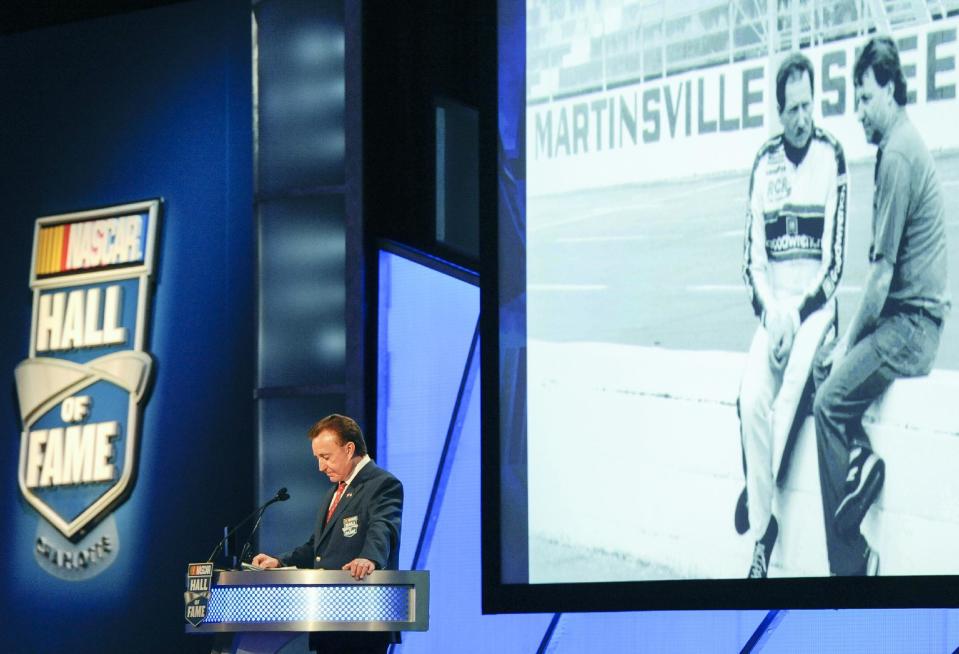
895,330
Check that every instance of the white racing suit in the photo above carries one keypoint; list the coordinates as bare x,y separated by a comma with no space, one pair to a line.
794,252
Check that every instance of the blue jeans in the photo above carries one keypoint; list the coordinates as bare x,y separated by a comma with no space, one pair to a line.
902,345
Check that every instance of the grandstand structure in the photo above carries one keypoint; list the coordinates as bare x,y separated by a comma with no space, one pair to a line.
582,46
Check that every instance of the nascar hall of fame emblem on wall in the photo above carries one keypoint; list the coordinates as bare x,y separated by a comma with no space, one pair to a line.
81,391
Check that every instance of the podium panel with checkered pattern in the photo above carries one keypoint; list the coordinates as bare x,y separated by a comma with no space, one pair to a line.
316,600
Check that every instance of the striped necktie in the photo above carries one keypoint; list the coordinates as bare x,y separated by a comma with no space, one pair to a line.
336,500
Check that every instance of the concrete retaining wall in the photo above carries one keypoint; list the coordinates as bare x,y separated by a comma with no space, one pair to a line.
638,458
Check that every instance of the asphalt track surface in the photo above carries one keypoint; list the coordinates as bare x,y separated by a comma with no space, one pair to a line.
661,264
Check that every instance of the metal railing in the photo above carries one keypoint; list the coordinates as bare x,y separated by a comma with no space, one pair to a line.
577,46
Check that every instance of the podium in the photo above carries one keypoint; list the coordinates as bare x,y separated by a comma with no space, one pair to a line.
258,612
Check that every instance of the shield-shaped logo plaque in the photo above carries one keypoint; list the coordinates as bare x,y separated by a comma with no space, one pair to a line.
81,391
199,582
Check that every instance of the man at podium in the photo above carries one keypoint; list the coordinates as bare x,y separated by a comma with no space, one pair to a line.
357,524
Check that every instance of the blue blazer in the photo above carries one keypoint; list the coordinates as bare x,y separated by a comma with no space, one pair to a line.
366,524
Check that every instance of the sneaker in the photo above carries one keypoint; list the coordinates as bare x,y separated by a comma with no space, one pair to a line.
763,551
741,515
863,483
870,564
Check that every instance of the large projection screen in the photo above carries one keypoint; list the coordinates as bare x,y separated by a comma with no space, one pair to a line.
617,318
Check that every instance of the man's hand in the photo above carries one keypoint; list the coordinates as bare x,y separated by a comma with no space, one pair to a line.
265,561
359,568
786,342
781,330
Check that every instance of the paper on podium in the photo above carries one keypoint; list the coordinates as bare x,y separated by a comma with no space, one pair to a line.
250,566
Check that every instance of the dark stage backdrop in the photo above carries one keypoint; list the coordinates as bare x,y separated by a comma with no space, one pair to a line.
153,104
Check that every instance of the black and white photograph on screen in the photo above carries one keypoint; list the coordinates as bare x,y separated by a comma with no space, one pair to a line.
740,360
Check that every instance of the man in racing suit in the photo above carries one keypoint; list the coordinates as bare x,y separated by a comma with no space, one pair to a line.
794,247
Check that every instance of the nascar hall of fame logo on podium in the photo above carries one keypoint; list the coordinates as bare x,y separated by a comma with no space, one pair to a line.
199,579
82,388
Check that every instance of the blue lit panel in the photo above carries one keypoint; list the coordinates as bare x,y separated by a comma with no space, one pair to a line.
347,603
302,337
426,324
677,632
427,320
912,631
454,563
301,94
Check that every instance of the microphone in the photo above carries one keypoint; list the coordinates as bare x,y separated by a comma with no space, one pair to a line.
280,496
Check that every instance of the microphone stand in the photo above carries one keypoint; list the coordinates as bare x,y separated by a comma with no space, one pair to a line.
281,496
249,539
